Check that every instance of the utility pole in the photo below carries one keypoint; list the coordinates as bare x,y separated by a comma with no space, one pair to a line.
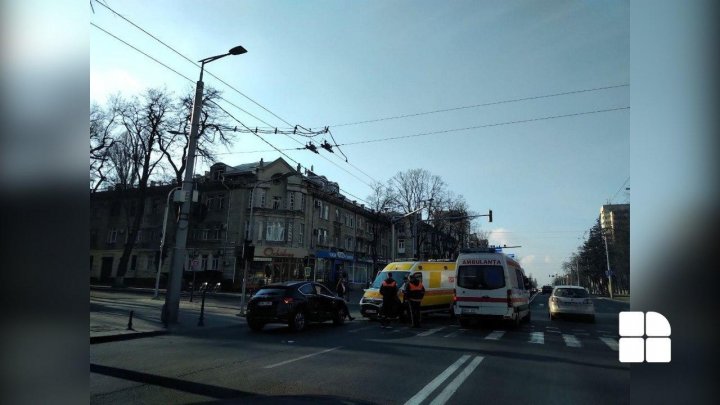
609,272
172,297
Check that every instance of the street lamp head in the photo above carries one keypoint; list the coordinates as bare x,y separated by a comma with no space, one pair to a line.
238,50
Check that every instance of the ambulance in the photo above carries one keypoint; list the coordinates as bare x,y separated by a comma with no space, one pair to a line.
438,278
490,285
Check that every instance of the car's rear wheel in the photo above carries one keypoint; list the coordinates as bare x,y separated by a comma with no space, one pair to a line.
527,317
552,317
339,316
255,325
297,321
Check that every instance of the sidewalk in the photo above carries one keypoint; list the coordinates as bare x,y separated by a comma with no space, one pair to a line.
110,310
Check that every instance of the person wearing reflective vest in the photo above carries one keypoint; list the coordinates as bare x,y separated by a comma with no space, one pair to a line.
415,293
389,291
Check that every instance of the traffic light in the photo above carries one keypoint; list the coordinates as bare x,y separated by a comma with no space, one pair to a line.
490,215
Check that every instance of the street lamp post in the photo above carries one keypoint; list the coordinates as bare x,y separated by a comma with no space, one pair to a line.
162,242
172,298
249,238
609,272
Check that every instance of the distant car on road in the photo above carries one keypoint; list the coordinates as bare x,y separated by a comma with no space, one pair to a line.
533,290
547,289
294,303
571,300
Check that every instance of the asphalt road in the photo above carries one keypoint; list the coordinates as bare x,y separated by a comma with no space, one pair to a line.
558,362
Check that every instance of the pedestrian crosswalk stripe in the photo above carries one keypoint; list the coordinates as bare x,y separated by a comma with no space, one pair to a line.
571,341
612,343
537,337
455,333
431,331
495,335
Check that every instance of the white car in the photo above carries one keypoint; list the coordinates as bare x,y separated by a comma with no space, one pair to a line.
571,300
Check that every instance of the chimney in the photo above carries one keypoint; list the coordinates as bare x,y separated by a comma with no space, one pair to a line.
261,162
298,168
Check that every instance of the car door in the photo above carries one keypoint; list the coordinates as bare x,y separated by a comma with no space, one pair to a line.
312,306
326,301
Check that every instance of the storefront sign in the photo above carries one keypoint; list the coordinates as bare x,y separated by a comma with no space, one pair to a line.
283,252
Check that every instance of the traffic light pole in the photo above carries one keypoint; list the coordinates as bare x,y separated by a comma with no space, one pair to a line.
162,242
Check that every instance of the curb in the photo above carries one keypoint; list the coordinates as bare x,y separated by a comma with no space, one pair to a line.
125,336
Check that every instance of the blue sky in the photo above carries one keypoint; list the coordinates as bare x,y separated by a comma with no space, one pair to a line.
329,63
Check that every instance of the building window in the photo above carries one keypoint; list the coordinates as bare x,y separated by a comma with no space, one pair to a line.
337,215
247,229
290,233
275,231
348,243
401,245
133,263
322,236
214,264
302,202
325,211
204,262
277,203
301,235
263,194
140,236
291,200
112,236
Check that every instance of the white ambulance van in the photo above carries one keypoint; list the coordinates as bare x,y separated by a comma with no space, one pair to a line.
490,285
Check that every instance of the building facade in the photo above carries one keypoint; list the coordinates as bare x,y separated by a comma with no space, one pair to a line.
615,218
300,224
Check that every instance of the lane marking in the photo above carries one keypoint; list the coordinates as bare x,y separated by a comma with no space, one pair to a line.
571,341
448,392
495,335
431,331
301,357
612,343
432,385
537,337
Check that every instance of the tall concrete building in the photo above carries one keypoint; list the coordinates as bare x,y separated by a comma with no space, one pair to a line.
615,218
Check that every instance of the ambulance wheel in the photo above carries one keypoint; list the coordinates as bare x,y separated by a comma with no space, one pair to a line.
515,323
527,317
464,322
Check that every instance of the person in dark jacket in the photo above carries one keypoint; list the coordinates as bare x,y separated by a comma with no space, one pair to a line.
415,293
389,292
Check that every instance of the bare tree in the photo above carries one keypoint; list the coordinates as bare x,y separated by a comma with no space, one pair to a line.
144,119
102,125
380,201
411,188
173,142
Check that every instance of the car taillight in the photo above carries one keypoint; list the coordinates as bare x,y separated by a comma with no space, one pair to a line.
509,298
454,295
287,300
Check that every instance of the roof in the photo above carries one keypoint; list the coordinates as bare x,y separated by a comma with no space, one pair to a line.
243,168
289,283
569,286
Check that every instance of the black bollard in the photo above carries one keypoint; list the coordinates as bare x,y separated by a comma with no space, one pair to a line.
130,321
202,310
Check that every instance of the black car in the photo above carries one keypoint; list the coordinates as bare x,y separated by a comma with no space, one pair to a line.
294,303
547,289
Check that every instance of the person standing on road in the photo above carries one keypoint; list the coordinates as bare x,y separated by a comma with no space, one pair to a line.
415,292
389,292
341,288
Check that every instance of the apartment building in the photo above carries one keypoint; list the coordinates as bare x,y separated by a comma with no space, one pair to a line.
300,224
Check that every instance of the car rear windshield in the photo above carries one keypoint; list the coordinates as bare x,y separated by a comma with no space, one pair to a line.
270,292
481,277
398,276
571,292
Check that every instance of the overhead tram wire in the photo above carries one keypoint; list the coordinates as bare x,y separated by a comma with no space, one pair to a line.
484,126
482,105
619,189
196,65
284,154
187,78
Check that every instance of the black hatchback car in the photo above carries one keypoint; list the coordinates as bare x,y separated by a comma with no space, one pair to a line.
294,303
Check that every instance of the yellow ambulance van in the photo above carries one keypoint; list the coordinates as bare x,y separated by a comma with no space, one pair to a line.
437,277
